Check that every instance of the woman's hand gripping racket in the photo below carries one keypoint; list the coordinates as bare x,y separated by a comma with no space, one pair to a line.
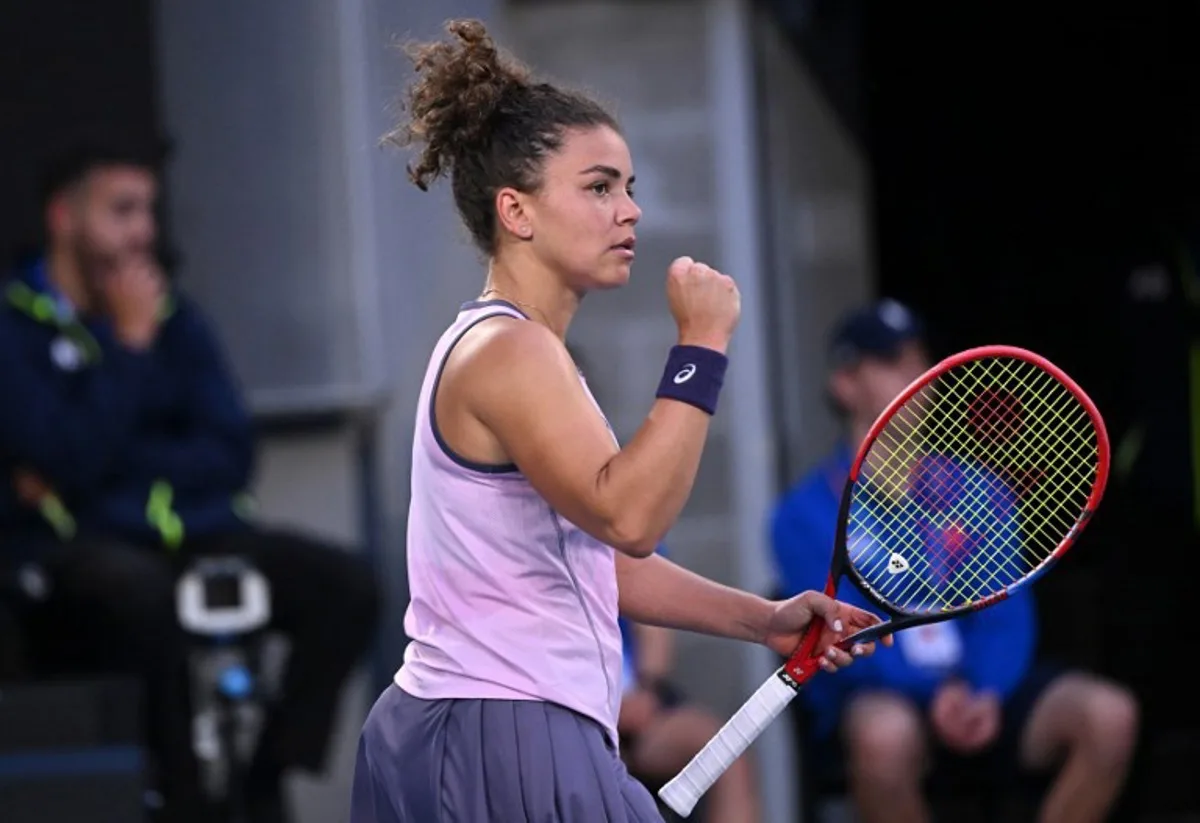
971,484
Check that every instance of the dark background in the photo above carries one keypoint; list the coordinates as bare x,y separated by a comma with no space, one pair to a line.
1024,165
1024,162
97,72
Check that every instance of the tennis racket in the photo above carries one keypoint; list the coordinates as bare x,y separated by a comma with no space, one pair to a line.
971,484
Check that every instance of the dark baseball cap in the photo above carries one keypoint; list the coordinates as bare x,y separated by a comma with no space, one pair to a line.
876,330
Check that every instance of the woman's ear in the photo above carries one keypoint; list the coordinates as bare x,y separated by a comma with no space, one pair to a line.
512,213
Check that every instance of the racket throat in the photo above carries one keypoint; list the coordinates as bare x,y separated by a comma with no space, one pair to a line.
796,673
806,661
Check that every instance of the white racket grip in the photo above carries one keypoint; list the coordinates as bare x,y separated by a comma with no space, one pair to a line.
685,790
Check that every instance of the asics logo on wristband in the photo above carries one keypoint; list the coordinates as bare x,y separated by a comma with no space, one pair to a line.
685,374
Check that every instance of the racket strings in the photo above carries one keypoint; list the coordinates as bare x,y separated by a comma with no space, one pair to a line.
1075,454
983,584
1071,438
963,587
1073,459
978,492
972,485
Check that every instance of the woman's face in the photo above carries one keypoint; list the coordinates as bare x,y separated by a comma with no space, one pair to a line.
583,215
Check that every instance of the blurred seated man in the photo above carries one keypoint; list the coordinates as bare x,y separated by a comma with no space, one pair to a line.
661,731
968,687
126,448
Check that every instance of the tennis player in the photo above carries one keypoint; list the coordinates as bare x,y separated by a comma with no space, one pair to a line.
529,526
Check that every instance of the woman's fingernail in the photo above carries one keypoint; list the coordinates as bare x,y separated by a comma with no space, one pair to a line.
837,625
857,650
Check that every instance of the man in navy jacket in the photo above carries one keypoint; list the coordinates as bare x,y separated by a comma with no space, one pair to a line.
125,447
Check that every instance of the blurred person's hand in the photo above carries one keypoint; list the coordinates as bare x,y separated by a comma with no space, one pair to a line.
983,721
964,721
30,488
638,709
132,291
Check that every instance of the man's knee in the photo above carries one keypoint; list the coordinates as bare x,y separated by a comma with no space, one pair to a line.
1110,720
673,737
885,740
355,588
133,585
110,606
343,579
695,725
1082,715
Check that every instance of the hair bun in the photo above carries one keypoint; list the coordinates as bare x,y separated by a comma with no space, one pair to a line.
460,86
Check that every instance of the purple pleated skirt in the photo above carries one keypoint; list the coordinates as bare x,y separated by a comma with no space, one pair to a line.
489,761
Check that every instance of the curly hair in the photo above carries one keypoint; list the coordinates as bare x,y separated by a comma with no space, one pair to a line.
485,122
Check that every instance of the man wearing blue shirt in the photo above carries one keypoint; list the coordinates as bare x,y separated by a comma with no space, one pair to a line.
968,686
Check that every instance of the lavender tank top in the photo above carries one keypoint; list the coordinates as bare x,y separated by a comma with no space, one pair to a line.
509,600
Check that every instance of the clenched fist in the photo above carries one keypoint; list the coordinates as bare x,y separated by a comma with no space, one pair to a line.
706,304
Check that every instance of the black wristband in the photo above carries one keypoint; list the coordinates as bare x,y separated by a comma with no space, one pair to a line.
694,375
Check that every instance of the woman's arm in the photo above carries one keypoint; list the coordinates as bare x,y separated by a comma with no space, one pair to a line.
521,384
655,591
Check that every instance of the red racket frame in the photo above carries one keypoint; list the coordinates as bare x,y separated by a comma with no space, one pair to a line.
805,661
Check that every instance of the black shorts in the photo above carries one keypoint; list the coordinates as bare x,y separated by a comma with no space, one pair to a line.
1018,708
1002,758
1000,763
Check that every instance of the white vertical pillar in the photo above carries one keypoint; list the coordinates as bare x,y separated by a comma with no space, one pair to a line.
359,103
740,237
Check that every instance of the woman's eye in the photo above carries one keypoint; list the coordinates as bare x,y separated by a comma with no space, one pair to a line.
600,188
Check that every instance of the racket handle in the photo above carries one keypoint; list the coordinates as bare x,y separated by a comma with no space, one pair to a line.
697,777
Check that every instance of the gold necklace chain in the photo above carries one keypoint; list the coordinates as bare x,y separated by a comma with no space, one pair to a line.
516,302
